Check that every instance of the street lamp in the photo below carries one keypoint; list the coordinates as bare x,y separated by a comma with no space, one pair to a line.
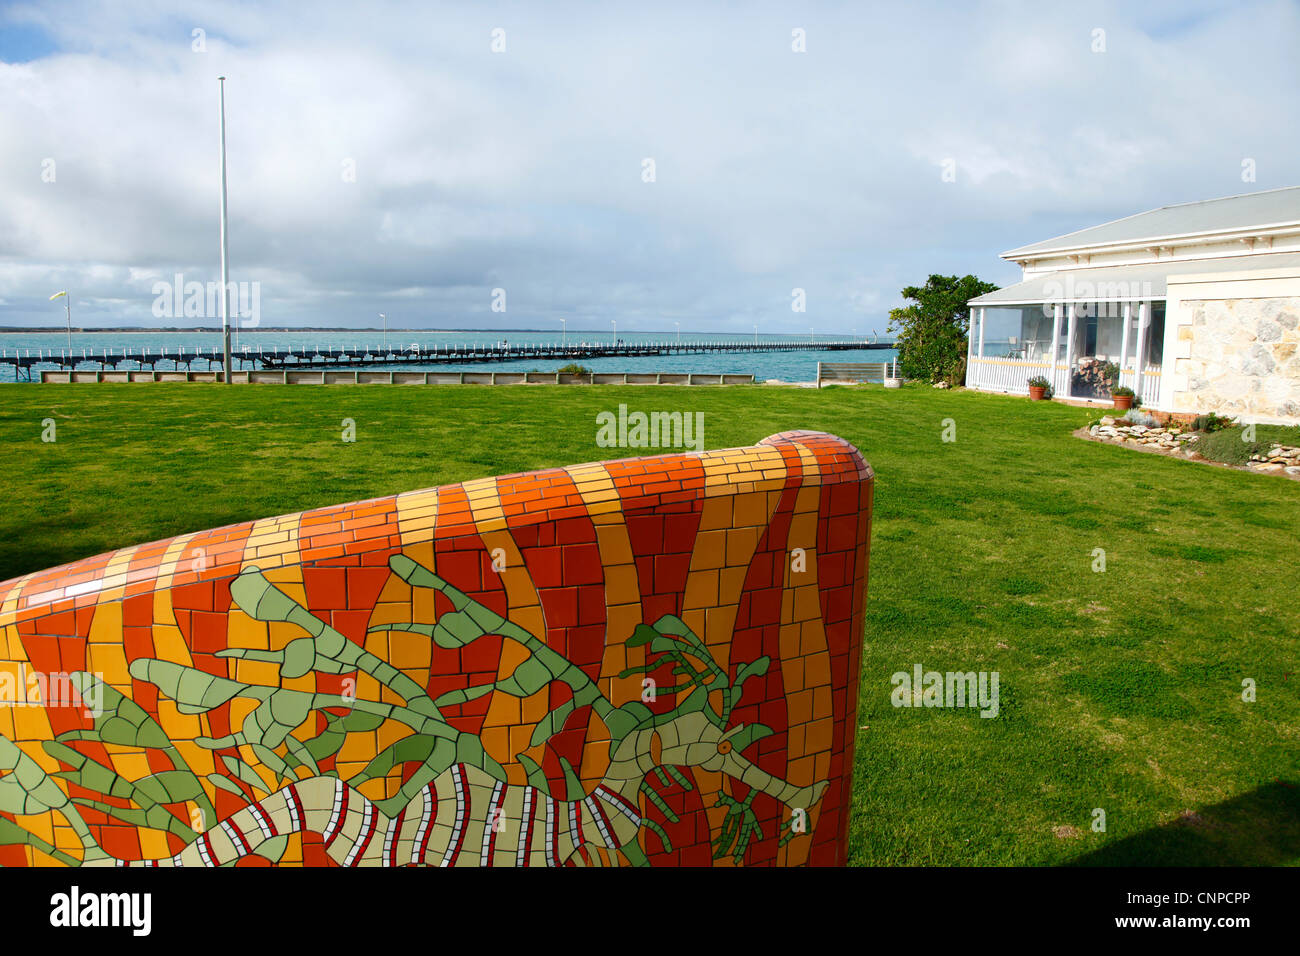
614,323
564,327
679,332
756,335
385,318
68,303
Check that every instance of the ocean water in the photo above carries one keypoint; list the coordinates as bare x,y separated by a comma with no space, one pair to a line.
799,366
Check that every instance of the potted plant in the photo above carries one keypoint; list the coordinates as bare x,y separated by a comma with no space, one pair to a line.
1122,396
1039,388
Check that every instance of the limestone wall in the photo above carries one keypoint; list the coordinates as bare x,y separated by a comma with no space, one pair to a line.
1235,345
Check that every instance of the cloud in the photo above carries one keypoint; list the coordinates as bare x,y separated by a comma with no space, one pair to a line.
386,159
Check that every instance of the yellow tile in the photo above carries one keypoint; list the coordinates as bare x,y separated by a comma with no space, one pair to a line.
792,674
817,668
106,626
751,509
306,683
732,584
110,661
153,843
169,645
819,736
262,673
613,543
244,631
408,650
30,723
199,759
807,604
176,725
710,549
622,585
131,766
701,589
40,824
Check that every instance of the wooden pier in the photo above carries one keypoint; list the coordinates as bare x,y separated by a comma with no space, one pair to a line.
253,358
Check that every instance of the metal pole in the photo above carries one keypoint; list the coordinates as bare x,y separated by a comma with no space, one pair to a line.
225,264
69,305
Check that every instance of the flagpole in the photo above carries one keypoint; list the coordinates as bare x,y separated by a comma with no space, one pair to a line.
225,265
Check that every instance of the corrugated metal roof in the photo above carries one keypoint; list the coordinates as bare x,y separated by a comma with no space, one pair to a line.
1268,208
1125,283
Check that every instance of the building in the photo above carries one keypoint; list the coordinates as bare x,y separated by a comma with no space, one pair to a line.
1196,307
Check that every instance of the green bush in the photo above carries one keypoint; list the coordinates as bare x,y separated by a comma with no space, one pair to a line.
1226,445
1211,423
956,376
573,368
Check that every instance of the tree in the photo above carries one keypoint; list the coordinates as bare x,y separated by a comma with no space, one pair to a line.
931,333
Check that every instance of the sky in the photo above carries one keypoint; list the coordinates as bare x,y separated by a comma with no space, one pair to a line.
649,164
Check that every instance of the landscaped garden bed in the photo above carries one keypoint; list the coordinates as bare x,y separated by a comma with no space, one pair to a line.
1210,439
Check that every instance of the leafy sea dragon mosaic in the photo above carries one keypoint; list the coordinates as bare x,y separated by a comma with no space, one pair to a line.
458,808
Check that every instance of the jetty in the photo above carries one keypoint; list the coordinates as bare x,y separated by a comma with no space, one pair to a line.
263,357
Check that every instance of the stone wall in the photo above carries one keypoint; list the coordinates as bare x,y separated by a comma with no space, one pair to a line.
1238,354
651,661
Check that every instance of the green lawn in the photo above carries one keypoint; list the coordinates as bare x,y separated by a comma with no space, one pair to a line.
1119,690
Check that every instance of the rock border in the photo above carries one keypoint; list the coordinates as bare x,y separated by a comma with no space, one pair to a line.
1181,452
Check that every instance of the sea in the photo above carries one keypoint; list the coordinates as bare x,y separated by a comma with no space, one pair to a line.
787,366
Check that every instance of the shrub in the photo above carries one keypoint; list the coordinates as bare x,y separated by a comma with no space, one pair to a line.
930,334
955,377
1211,423
1120,391
1040,381
573,368
1226,445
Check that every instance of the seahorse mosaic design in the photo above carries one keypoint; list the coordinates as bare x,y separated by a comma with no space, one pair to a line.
651,661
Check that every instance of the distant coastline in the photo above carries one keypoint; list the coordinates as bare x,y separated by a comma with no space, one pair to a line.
216,329
190,329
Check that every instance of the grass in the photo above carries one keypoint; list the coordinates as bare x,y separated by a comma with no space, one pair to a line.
1120,690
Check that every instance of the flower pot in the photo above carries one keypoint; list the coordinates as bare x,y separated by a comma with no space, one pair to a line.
1037,392
893,383
1122,402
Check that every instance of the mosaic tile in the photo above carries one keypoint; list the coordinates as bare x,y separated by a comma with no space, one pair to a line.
646,661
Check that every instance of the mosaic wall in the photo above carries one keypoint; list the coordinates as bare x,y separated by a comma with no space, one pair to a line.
648,661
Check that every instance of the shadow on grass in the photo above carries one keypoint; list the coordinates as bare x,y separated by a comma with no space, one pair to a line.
1260,828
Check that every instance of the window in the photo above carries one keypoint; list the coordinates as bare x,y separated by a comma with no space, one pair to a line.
1018,332
1155,336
